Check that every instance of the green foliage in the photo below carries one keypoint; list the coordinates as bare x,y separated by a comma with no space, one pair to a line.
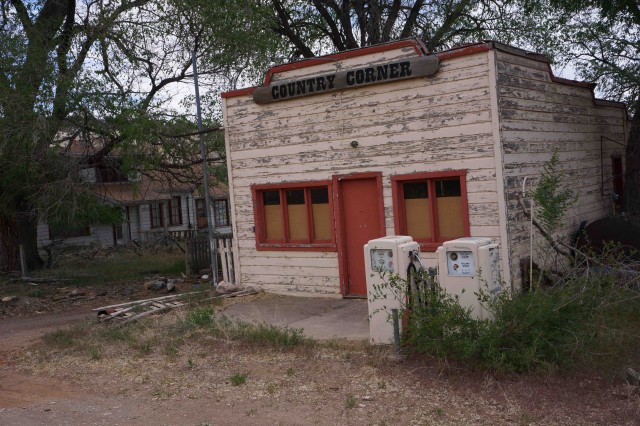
204,318
565,326
201,317
118,266
552,200
64,338
238,379
262,333
350,402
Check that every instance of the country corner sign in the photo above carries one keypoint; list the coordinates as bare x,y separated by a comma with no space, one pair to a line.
357,77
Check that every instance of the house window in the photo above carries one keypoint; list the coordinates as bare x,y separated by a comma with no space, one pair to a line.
62,230
156,212
220,213
175,211
296,216
431,207
201,213
110,171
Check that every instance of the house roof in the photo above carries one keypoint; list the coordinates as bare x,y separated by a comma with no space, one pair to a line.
152,186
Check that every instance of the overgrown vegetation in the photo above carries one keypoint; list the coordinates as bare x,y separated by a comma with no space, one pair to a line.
584,321
104,266
167,335
205,319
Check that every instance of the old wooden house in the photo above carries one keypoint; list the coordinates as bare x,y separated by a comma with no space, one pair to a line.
391,140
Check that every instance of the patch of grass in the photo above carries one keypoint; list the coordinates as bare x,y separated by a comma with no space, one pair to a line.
63,339
439,412
201,317
162,394
238,379
172,349
272,388
290,372
145,347
94,353
350,402
262,333
117,334
119,267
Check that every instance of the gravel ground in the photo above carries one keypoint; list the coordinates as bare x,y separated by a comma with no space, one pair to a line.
332,383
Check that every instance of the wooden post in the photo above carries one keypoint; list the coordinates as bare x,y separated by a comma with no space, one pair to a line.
23,261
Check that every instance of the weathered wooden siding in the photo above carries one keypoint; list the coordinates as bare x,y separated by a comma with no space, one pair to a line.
538,116
419,125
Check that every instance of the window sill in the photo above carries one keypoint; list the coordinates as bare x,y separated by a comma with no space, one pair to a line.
295,247
431,246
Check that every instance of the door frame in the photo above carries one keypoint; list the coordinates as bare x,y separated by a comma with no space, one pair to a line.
339,218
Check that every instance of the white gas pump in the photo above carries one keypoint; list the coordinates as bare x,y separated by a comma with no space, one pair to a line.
384,257
466,266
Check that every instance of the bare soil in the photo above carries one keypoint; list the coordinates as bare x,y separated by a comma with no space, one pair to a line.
332,383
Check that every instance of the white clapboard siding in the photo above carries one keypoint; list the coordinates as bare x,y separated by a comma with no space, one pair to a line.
538,116
401,127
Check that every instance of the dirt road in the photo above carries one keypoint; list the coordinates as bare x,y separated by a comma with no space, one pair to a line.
331,384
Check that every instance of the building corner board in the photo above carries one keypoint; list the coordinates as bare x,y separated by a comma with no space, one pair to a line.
232,202
499,167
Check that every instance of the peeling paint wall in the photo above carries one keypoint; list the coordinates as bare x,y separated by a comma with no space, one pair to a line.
421,125
538,116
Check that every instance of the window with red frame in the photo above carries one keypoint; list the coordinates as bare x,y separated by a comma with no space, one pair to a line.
431,207
156,213
294,216
175,211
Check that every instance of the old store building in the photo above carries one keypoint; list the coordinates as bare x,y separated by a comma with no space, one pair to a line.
389,140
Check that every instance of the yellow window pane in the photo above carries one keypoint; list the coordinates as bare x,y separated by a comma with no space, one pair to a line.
273,222
321,222
297,222
450,224
418,217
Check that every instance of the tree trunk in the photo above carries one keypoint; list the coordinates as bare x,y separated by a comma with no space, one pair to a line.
632,172
28,229
9,245
13,233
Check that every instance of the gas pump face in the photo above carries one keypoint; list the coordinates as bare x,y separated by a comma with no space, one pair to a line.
460,263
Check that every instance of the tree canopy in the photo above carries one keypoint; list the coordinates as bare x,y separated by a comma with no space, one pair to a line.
107,70
113,71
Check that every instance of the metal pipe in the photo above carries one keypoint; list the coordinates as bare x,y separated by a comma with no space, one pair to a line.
532,203
212,242
396,330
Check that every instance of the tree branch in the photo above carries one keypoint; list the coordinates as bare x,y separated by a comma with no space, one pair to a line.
392,17
412,19
557,246
284,19
334,32
23,16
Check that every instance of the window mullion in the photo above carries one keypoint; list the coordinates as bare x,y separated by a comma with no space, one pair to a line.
285,215
433,211
309,209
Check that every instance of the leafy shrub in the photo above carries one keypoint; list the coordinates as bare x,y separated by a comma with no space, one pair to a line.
563,326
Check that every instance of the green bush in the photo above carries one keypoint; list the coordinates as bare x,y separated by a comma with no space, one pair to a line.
581,322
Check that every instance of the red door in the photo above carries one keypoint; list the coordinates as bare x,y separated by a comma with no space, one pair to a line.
361,214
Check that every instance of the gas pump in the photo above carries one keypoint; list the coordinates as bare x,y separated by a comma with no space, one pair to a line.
384,257
467,266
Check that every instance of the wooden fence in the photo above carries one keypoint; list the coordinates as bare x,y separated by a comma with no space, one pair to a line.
198,256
